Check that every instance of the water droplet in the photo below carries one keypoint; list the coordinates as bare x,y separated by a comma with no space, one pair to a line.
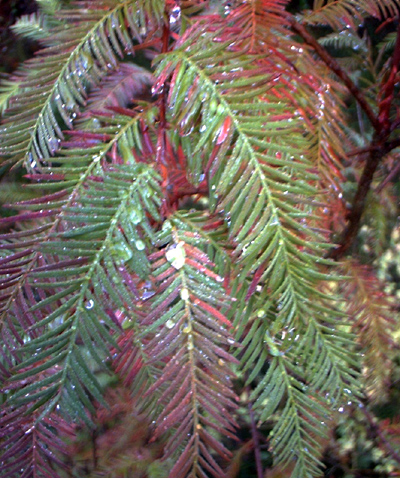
220,110
135,215
122,251
213,106
169,324
184,294
166,225
53,144
140,245
176,256
89,304
175,15
31,161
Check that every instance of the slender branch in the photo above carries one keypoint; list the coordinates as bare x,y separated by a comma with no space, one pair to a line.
336,68
387,89
256,442
161,140
376,154
358,206
361,151
379,146
161,151
393,173
360,120
389,146
393,144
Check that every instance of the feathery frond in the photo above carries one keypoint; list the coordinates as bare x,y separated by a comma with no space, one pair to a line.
36,444
178,233
32,26
8,89
54,85
97,238
372,316
189,339
340,14
251,170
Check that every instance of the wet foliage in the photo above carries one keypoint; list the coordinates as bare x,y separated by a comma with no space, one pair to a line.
194,279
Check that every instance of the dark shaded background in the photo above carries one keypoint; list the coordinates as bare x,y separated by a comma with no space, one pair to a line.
13,50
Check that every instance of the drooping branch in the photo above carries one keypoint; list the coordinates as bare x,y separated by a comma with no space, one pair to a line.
379,146
358,206
387,89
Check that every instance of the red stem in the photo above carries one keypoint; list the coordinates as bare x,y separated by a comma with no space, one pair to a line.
387,89
161,139
379,148
380,145
161,153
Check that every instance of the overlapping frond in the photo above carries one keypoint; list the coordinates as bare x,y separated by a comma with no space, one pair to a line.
188,339
259,20
261,180
342,13
309,371
55,83
344,39
83,157
111,270
37,445
388,42
374,320
300,430
128,84
8,89
320,101
251,174
32,26
99,238
64,313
